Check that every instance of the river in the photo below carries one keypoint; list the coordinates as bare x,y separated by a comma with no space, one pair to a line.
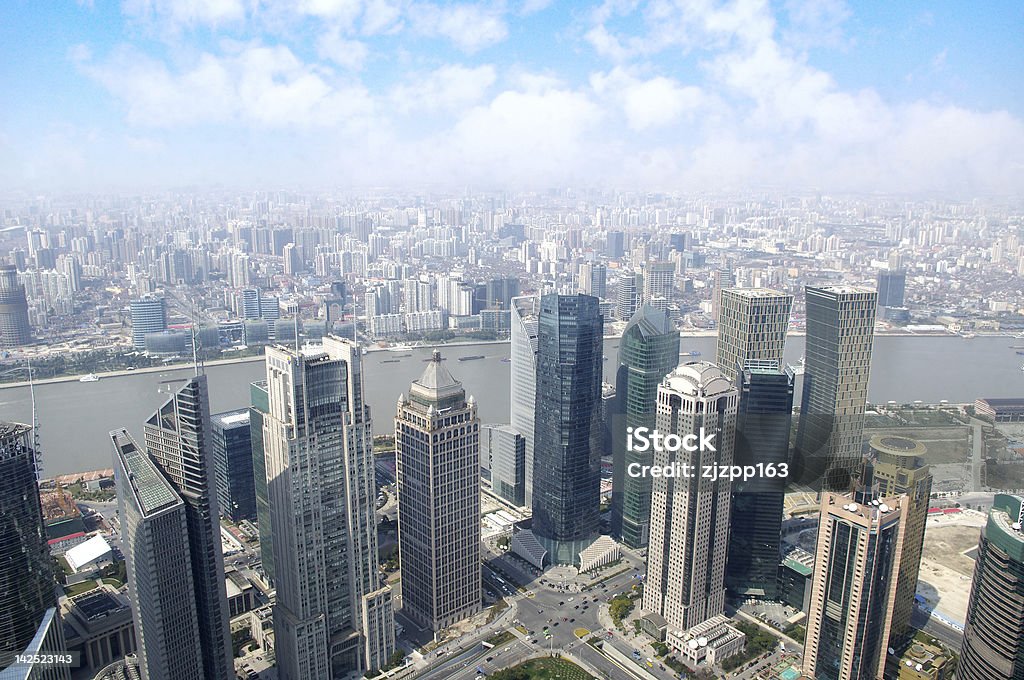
75,417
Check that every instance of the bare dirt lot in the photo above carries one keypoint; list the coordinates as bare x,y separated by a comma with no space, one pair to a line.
946,572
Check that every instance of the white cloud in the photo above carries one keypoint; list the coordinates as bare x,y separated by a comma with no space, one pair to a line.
173,15
469,27
349,54
651,103
449,88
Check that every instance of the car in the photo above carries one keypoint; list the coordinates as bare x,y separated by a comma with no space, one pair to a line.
489,659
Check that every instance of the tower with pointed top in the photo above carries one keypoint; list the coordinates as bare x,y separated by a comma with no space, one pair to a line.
437,437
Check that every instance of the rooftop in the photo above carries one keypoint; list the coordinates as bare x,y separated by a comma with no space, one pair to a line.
152,492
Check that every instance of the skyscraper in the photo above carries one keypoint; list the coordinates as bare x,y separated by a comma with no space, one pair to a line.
837,365
659,280
14,325
854,587
437,439
690,514
232,456
898,467
26,578
648,351
317,447
763,423
148,315
259,408
752,324
505,453
567,428
523,357
993,646
593,279
891,287
627,295
615,244
179,442
158,558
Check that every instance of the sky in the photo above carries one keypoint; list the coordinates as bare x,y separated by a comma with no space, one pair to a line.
670,95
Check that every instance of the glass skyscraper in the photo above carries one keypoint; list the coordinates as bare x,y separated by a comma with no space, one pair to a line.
26,577
232,455
523,357
567,429
648,351
763,425
752,324
179,441
837,365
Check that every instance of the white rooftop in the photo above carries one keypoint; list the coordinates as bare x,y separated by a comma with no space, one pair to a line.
90,551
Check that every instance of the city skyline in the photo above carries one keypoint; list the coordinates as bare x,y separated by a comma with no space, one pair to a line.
701,95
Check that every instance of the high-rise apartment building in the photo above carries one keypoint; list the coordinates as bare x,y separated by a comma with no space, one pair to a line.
232,456
593,279
659,281
648,351
752,324
763,423
567,427
690,513
158,558
26,577
837,365
993,646
627,295
15,329
854,586
179,442
523,366
148,315
317,449
437,440
898,467
615,245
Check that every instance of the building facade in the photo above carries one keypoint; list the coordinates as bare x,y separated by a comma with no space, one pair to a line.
437,440
523,366
763,424
259,408
994,632
27,589
648,351
690,511
15,329
179,442
506,456
154,529
837,366
567,427
317,444
752,325
231,437
148,315
854,587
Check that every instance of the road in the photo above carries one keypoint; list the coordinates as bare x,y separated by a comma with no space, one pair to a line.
940,631
977,452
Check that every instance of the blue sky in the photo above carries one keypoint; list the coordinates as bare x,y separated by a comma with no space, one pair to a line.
672,94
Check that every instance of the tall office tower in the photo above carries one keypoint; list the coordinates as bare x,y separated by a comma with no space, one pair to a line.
26,578
837,364
648,351
593,279
14,325
898,467
506,454
659,280
567,428
148,315
720,280
854,586
690,514
292,260
259,408
523,366
752,324
251,303
500,293
437,439
178,440
627,295
891,287
157,553
993,646
232,456
317,446
763,424
615,244
47,641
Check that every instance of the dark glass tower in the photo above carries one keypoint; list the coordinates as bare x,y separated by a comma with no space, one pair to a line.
994,634
259,408
26,579
567,426
649,350
232,454
762,436
178,440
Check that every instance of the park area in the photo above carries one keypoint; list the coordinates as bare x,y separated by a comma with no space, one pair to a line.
543,669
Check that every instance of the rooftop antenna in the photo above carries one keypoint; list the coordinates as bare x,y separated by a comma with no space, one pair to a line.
199,368
37,452
296,320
